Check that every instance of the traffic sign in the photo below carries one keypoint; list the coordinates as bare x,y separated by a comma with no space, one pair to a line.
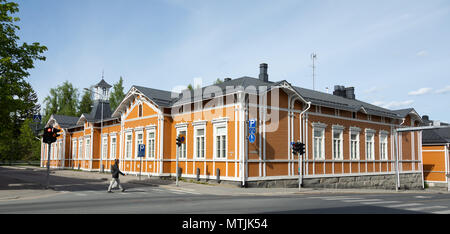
37,118
252,138
141,150
252,123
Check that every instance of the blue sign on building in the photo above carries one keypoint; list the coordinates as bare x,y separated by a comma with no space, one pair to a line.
141,150
252,130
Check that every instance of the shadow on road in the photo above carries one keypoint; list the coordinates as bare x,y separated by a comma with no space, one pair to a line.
13,178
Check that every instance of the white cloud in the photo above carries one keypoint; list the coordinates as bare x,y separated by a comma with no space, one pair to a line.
422,53
421,91
444,90
370,90
393,104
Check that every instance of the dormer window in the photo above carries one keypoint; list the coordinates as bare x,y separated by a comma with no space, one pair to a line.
140,110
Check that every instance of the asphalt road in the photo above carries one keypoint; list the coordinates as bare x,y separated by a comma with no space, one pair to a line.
21,193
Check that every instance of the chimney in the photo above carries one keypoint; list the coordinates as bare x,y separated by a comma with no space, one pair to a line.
227,79
263,72
345,92
350,92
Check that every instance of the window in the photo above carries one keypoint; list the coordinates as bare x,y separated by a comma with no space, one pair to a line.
354,145
80,148
200,143
383,146
337,142
105,148
139,140
128,139
151,144
60,150
181,151
318,141
88,148
74,149
113,147
220,142
354,115
140,110
370,145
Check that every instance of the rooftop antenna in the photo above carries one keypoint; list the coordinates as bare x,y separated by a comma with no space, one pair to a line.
103,73
313,57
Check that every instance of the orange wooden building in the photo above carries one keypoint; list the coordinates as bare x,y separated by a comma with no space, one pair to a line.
436,150
349,143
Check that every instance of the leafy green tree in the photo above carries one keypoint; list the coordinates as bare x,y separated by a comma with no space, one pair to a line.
17,98
62,100
117,95
29,144
218,81
86,103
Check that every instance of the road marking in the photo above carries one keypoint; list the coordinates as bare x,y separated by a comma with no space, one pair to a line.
341,198
404,205
363,200
441,212
426,208
182,191
80,194
379,202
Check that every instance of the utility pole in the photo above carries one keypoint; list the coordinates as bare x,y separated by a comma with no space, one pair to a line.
313,57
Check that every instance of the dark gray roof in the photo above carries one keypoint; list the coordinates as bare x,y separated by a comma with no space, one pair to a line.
160,97
65,121
166,99
102,84
436,136
96,112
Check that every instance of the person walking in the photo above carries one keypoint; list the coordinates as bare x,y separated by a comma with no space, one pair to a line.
115,171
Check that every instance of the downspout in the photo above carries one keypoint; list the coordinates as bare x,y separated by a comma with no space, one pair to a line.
397,174
447,151
300,159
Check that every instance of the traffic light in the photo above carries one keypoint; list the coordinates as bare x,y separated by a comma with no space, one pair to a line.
178,141
298,148
48,134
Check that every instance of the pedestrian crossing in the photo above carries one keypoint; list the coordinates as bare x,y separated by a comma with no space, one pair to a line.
149,191
394,204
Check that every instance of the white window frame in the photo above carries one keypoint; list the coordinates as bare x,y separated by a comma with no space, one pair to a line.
136,143
104,148
354,131
319,127
74,149
202,151
223,152
182,150
151,151
371,153
113,147
383,151
87,148
338,129
128,147
80,148
60,150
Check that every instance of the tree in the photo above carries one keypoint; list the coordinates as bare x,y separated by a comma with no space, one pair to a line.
86,103
28,144
17,98
218,81
63,100
117,95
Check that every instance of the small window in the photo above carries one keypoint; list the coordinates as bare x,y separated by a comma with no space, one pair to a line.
140,110
318,143
151,145
220,142
113,147
354,115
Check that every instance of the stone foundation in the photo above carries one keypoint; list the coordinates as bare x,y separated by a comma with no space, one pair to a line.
407,181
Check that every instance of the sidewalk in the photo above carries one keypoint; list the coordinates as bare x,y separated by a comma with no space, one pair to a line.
12,188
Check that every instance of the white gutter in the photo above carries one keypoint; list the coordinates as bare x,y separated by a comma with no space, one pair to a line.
300,160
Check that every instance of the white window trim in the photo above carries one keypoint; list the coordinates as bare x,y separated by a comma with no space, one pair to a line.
103,148
371,132
151,130
129,133
355,130
321,127
80,148
74,149
111,156
182,128
338,129
383,134
217,124
139,131
196,127
87,149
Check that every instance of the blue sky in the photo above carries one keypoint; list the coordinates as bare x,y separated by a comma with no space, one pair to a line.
395,53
